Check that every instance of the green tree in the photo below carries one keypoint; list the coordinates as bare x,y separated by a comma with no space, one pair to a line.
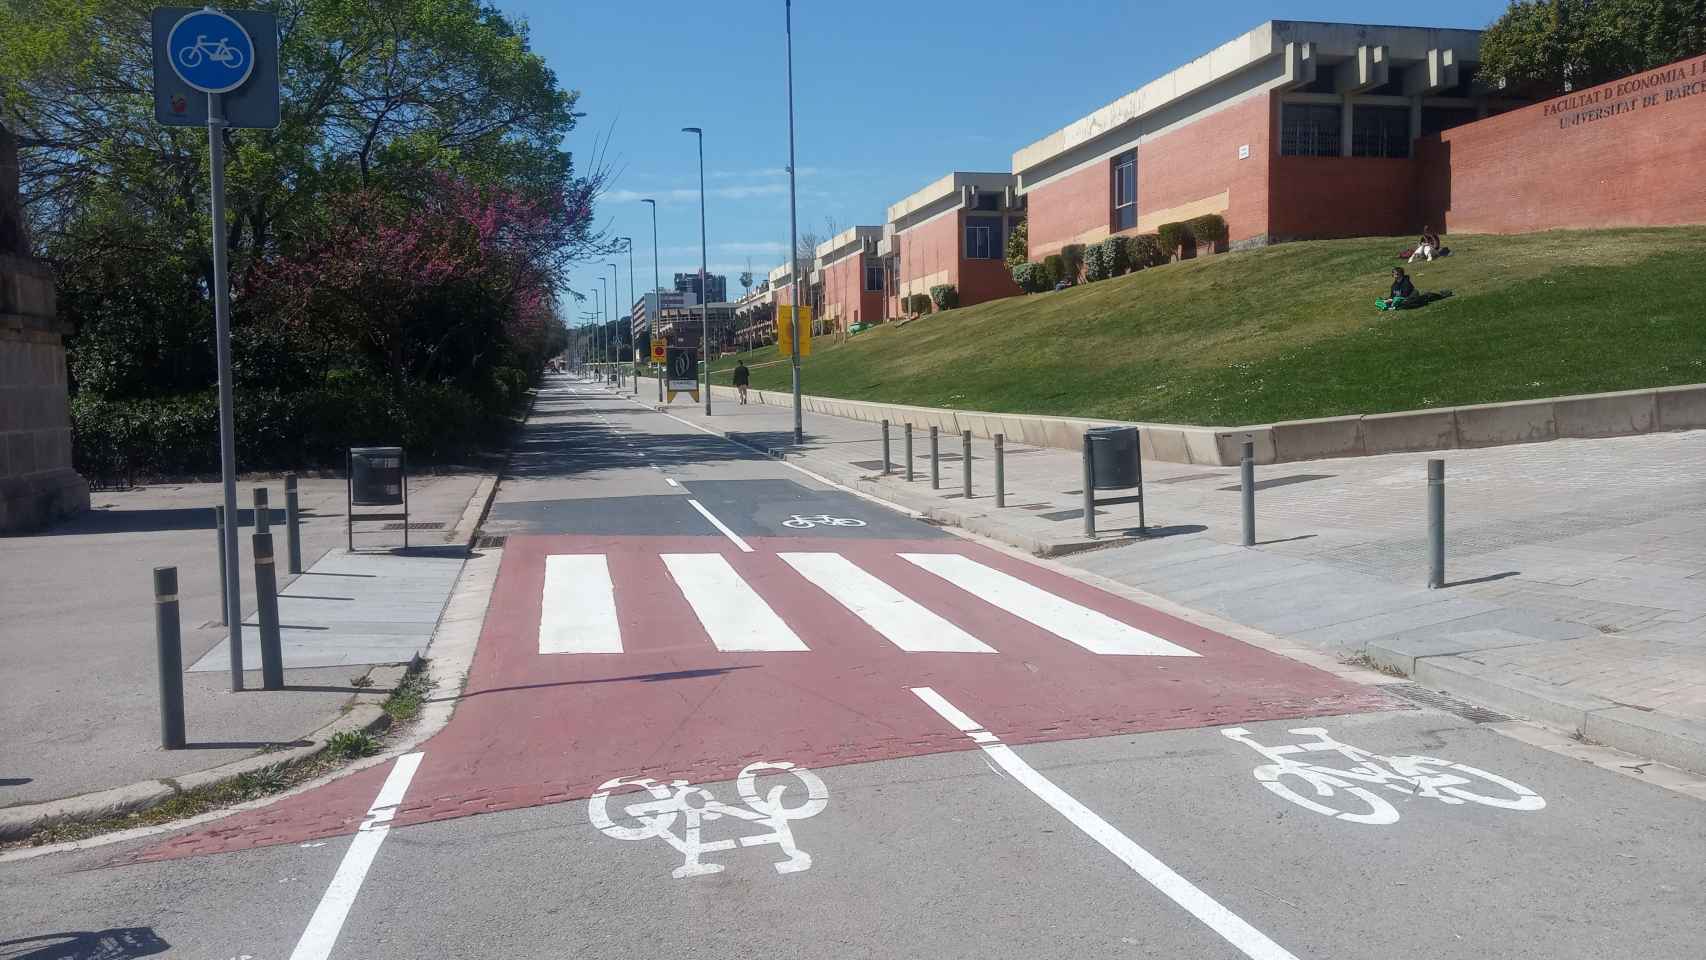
1019,244
1541,48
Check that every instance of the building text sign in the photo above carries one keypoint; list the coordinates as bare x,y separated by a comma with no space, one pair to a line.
1652,89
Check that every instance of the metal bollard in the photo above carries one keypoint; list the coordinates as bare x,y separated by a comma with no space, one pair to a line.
887,469
935,462
908,431
169,652
266,612
1089,492
965,452
292,524
224,585
1436,524
1000,471
263,513
1247,486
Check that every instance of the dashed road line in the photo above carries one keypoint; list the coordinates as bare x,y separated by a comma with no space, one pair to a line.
1251,942
735,537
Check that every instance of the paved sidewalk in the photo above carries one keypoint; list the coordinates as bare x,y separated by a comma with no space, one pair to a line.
79,704
1576,569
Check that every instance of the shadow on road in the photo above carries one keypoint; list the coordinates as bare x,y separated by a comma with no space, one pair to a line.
119,943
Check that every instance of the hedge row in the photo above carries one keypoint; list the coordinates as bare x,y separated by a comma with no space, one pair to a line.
129,440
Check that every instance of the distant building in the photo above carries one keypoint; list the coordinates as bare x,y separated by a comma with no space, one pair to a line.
953,232
689,283
647,308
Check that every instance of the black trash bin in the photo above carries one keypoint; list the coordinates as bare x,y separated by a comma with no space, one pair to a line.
378,477
1113,457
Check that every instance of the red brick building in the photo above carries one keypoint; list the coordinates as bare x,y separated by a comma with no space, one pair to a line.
953,231
852,279
1294,130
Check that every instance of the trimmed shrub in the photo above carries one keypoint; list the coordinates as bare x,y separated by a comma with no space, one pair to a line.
1024,276
1096,262
1145,251
1117,252
1174,237
945,296
918,303
1209,230
1072,256
1018,244
1055,264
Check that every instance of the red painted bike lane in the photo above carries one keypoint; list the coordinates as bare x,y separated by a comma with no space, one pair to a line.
535,728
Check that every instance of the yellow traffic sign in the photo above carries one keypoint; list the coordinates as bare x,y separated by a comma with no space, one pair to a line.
658,348
783,318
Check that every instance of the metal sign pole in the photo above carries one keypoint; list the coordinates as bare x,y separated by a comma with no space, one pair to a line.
793,231
227,420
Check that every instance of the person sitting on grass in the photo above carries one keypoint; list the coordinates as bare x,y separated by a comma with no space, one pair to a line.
1427,247
1403,291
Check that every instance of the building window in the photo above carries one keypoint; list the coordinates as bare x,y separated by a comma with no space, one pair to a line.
1309,130
1125,191
873,278
1380,132
1436,119
983,238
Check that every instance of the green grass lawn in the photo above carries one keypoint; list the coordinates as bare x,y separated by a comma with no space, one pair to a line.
1290,331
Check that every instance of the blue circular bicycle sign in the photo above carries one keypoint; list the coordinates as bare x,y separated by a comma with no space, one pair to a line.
211,51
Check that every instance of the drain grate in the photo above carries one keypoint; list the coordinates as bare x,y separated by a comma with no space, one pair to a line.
416,525
490,543
1444,701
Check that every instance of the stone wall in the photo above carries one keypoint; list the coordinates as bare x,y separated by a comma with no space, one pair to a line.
37,484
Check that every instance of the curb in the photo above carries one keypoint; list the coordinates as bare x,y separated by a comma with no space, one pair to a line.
1669,739
19,822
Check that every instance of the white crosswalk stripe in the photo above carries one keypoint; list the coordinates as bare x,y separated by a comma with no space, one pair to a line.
905,622
1090,629
578,612
733,613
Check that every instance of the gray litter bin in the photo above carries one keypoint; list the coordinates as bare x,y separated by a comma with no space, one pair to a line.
376,476
1113,457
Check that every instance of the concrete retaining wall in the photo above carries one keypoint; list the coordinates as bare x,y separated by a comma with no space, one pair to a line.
1619,414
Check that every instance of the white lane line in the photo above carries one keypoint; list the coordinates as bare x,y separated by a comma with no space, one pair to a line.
328,919
671,481
906,623
719,525
1251,942
1094,631
578,611
733,613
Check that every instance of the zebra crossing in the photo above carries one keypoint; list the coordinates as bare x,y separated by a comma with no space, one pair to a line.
580,610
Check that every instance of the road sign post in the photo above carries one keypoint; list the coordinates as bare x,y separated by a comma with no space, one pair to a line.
682,372
225,60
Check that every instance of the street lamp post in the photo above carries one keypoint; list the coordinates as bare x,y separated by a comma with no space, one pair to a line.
604,328
657,284
793,229
616,289
598,331
704,272
633,337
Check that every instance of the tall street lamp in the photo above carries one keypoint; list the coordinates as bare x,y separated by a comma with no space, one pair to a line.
793,228
633,338
598,330
604,327
657,284
704,272
616,290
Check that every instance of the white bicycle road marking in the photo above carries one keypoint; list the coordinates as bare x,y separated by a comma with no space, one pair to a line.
655,814
798,522
1419,776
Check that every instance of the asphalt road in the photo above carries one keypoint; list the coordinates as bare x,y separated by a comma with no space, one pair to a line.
704,720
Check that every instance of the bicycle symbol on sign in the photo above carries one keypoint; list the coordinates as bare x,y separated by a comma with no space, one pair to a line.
798,522
222,53
1310,785
655,815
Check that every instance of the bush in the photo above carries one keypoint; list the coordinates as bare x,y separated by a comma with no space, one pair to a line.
1055,264
1018,244
1208,229
1173,237
1072,257
945,296
1096,262
1145,251
918,303
1024,275
1117,252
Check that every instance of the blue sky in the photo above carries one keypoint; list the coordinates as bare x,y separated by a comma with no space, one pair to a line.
888,96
